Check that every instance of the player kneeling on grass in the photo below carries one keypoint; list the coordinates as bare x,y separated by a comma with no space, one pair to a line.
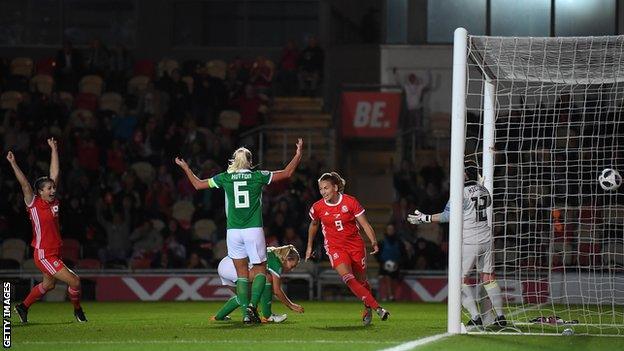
279,260
477,244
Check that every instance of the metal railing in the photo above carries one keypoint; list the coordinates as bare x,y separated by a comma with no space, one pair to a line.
259,137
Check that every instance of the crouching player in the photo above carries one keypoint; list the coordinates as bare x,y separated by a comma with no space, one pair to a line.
279,260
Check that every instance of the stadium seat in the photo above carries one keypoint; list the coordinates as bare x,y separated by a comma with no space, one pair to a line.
216,68
88,263
8,263
42,83
183,210
138,84
204,229
45,66
111,102
229,119
143,68
22,66
13,254
167,66
86,101
9,100
71,250
29,265
14,243
145,171
190,83
92,84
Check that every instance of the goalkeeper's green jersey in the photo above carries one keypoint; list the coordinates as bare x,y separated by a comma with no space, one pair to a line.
243,196
274,265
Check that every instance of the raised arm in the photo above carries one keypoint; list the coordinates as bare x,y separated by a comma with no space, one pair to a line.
21,178
292,165
370,232
312,230
54,161
197,183
281,295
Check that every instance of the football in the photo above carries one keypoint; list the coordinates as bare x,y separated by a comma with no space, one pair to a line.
610,179
390,266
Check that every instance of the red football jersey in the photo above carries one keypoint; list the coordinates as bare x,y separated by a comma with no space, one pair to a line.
338,221
44,217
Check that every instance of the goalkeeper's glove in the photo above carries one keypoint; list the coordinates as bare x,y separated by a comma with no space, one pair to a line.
418,218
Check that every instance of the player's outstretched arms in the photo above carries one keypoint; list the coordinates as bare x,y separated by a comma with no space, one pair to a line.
291,166
197,183
21,178
54,161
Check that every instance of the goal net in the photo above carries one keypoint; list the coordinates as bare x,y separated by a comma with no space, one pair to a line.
543,117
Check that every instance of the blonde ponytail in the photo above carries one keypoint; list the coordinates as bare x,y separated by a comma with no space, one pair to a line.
284,253
241,159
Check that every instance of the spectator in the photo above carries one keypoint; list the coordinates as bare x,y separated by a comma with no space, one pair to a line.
310,67
196,262
98,58
261,77
287,75
415,87
69,67
249,107
391,255
145,239
117,230
292,238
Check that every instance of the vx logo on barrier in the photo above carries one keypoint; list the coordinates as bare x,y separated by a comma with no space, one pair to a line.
190,291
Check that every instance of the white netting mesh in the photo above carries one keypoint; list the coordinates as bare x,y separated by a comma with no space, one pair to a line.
558,236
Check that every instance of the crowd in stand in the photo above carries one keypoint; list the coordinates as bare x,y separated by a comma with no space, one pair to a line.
122,198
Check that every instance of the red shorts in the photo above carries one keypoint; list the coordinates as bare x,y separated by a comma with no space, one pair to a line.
48,261
353,257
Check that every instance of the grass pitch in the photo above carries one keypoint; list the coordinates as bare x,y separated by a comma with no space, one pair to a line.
324,325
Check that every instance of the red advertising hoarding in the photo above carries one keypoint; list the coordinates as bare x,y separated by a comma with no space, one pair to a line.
370,114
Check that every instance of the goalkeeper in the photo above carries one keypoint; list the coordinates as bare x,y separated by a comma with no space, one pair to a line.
279,260
477,244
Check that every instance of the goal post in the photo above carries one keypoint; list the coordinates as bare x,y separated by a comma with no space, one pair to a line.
542,117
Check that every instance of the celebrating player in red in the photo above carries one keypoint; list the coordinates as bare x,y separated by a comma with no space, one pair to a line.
43,208
339,215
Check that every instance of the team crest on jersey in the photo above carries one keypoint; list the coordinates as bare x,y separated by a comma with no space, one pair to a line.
55,210
344,209
56,263
265,173
335,255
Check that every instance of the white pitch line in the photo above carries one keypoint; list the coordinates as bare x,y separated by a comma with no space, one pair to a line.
418,342
195,341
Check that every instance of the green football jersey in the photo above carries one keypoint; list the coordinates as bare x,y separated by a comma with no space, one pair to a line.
243,196
274,265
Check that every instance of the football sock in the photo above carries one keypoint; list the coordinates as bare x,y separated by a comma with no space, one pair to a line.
35,294
265,300
468,301
242,293
360,291
74,296
257,287
227,308
494,292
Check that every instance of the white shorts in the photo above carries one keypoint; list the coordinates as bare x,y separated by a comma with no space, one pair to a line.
227,272
481,254
248,242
